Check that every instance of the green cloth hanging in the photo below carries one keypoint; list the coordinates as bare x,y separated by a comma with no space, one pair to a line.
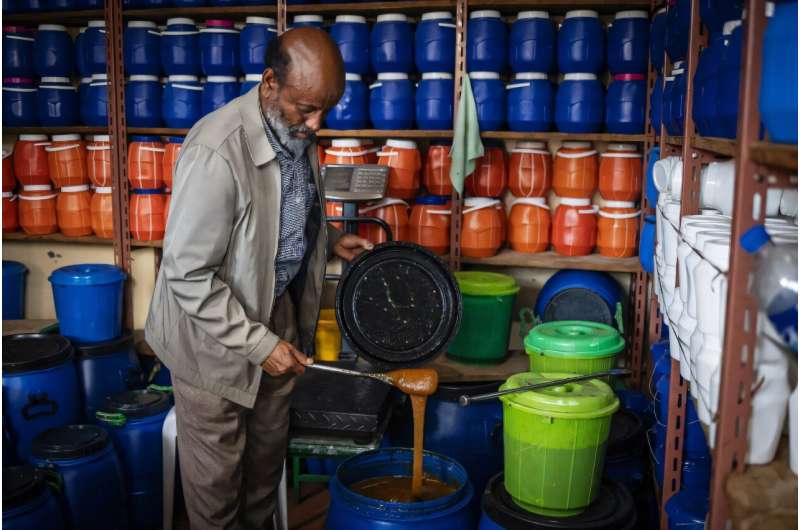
467,146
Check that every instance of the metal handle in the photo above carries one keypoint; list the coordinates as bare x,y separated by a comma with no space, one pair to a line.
464,401
344,371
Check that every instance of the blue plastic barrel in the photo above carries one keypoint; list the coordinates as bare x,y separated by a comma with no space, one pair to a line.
687,510
219,48
309,21
142,48
57,102
392,44
725,120
435,42
94,48
650,186
531,102
666,101
90,4
696,472
94,109
135,419
143,101
391,101
182,101
29,502
352,109
88,301
714,13
581,42
40,387
626,103
14,290
679,16
93,485
18,52
253,41
434,101
80,54
487,42
351,511
579,104
694,443
106,368
19,102
83,88
490,100
250,81
351,35
217,92
28,6
628,43
189,3
532,43
674,101
778,97
61,5
53,51
180,47
647,243
658,39
657,104
579,295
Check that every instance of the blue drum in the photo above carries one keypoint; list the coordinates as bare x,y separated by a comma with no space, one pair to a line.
18,52
391,102
706,85
53,51
19,102
715,13
434,101
579,104
94,47
352,110
90,4
14,274
28,501
532,46
647,243
674,101
657,103
61,5
435,42
351,34
579,295
143,101
57,102
253,40
80,54
778,97
726,118
27,6
581,43
250,81
219,48
531,102
650,186
217,92
666,101
658,39
94,108
180,47
487,42
392,44
626,103
628,43
687,510
189,3
40,387
142,48
182,101
679,16
309,21
490,100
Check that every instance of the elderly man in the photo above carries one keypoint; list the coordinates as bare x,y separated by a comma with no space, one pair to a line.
237,297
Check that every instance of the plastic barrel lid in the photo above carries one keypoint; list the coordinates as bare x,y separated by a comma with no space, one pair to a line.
626,434
398,304
575,338
613,509
70,441
20,485
33,351
481,283
137,403
87,274
13,267
95,349
586,399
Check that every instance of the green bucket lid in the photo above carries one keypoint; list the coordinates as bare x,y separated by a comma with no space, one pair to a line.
482,283
574,338
588,399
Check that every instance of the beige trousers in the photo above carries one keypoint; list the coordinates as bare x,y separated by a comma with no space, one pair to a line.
231,457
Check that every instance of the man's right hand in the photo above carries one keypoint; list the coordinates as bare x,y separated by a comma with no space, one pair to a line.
285,358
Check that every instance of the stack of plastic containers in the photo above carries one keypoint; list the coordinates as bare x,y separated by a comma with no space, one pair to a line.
351,34
392,96
574,182
620,185
530,176
146,175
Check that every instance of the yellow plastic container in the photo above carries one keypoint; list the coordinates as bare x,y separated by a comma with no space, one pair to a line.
328,338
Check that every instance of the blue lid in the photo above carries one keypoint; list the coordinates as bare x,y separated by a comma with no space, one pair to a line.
87,274
175,139
137,191
13,267
754,239
145,138
437,200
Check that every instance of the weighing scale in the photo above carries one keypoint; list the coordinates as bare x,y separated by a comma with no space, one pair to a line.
352,185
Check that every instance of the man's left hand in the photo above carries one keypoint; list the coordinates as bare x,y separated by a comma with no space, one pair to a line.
350,245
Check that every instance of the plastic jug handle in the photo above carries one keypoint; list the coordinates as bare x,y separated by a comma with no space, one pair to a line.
48,407
527,321
618,317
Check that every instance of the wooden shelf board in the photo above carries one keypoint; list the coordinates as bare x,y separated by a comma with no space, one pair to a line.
74,129
451,371
552,260
560,6
675,140
403,6
146,244
594,137
68,18
782,156
57,238
719,146
235,12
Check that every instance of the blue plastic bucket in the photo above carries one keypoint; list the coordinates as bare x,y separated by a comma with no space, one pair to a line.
182,101
253,41
679,16
647,244
628,40
579,104
180,47
726,118
579,295
531,102
80,54
625,104
434,101
88,301
40,387
581,43
351,35
650,187
658,39
18,52
391,101
392,44
352,109
28,501
490,100
143,101
250,81
714,13
94,108
142,49
706,85
94,489
53,51
19,102
656,104
687,510
219,49
435,42
217,92
487,42
778,97
94,48
14,290
57,102
532,43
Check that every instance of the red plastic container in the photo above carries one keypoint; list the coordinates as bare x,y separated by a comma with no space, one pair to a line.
574,227
529,225
530,170
489,177
405,163
618,229
575,170
481,228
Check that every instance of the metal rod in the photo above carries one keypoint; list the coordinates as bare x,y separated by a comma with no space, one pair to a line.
464,401
344,371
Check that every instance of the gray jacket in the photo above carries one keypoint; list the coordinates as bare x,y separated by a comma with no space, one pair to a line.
214,294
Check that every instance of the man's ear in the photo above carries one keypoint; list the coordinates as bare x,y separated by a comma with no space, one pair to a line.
268,83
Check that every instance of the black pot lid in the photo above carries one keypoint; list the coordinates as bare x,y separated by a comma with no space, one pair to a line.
398,305
20,485
70,441
626,434
612,510
93,349
137,403
34,351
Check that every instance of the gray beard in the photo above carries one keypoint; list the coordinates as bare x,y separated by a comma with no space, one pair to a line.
283,133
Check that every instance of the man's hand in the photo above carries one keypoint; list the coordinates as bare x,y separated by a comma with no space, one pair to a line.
286,358
350,245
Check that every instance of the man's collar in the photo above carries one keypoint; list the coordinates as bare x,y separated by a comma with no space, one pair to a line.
261,152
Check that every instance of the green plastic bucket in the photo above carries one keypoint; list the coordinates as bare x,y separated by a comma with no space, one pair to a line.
555,442
488,299
573,347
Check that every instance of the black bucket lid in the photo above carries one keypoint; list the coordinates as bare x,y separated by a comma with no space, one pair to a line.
612,510
137,403
94,349
453,391
70,441
398,305
20,485
578,304
34,351
626,434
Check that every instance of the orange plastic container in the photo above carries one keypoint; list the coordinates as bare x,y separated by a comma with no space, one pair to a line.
102,213
618,229
346,151
334,208
489,177
10,212
530,170
621,173
575,170
574,227
147,215
66,159
74,211
37,210
8,172
405,163
436,175
146,163
171,152
481,228
98,160
529,225
394,212
30,160
372,151
429,224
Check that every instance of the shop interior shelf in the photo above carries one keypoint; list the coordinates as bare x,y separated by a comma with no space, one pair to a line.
146,244
719,146
56,238
592,137
365,8
782,156
553,260
73,129
235,12
68,18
